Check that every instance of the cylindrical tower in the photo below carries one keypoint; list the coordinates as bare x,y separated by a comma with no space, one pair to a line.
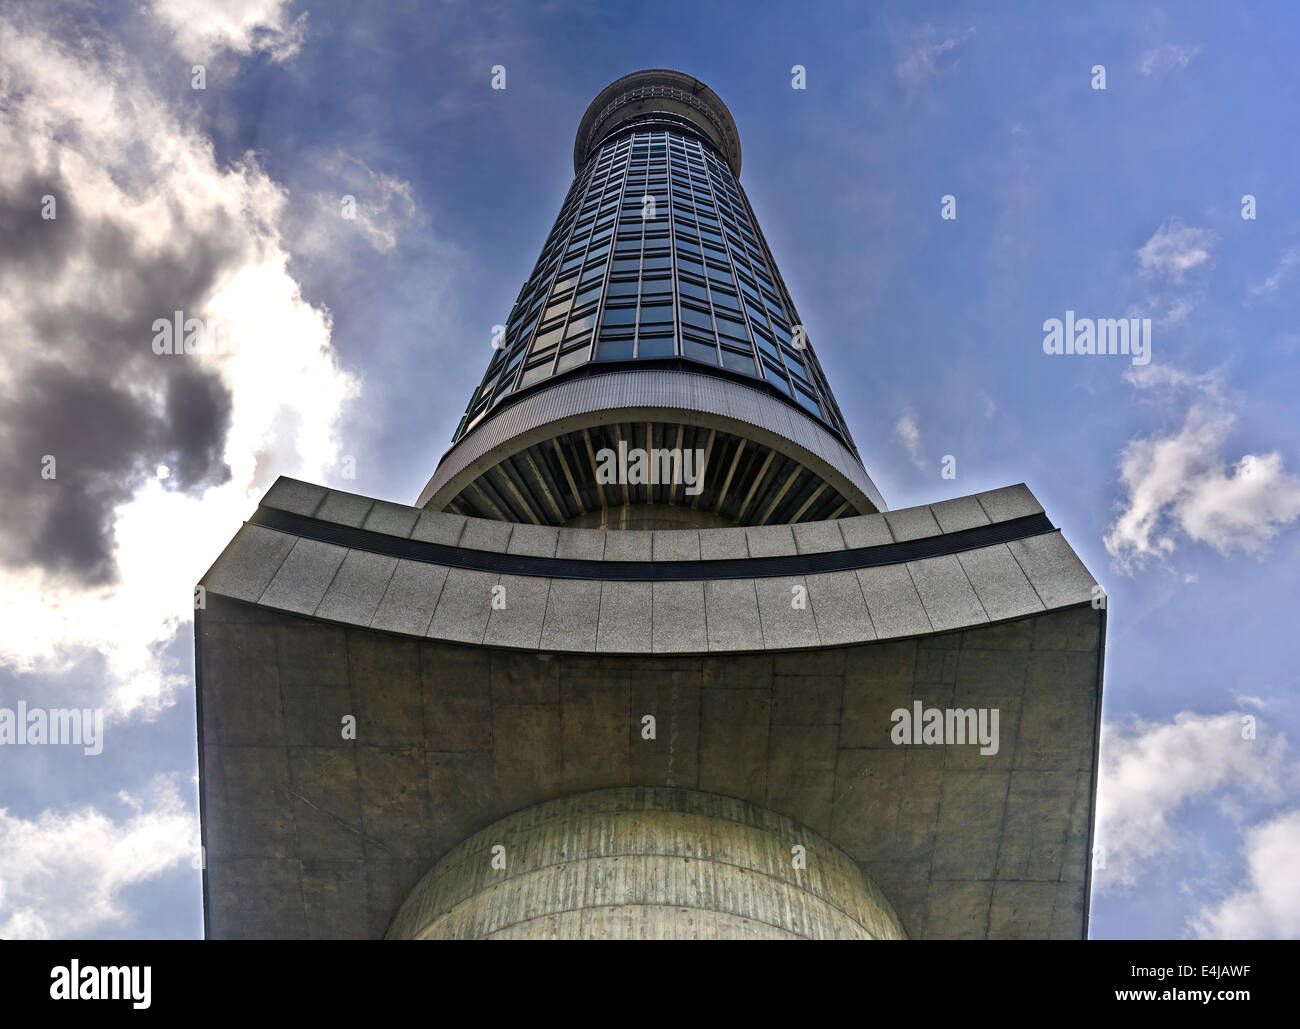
576,733
654,372
646,863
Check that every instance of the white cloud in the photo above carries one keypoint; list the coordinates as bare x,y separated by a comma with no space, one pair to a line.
62,873
1179,483
1177,313
920,56
1267,905
908,434
134,169
1174,250
203,28
1289,260
1166,58
382,206
1152,770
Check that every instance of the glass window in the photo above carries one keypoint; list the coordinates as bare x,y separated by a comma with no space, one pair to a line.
807,400
580,324
728,327
699,350
545,339
687,288
655,313
523,333
573,357
723,297
614,349
658,345
536,373
715,255
721,274
699,319
737,361
557,309
620,316
775,377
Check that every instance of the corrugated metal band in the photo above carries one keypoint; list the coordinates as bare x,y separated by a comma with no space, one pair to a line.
651,571
704,399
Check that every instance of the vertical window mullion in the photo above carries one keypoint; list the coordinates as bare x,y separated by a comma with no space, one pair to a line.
609,265
754,353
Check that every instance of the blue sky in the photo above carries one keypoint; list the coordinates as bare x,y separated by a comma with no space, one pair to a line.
1176,482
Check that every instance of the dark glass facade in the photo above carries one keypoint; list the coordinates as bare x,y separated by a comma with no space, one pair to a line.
656,257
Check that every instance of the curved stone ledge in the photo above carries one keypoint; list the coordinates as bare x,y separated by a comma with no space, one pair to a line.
700,614
404,522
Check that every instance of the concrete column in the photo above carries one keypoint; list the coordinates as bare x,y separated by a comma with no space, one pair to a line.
646,863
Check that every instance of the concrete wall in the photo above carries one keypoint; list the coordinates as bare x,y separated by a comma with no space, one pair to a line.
310,835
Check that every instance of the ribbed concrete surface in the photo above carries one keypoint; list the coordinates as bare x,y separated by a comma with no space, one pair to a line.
646,863
658,395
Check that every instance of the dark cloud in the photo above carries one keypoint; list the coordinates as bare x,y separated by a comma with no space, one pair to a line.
83,382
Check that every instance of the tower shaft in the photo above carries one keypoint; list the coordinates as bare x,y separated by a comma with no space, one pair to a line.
655,320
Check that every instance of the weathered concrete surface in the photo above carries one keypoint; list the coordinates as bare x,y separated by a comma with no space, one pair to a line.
466,712
646,863
312,835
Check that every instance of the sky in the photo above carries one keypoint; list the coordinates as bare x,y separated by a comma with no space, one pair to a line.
128,194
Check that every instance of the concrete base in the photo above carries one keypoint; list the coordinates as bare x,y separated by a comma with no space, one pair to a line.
463,713
646,864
